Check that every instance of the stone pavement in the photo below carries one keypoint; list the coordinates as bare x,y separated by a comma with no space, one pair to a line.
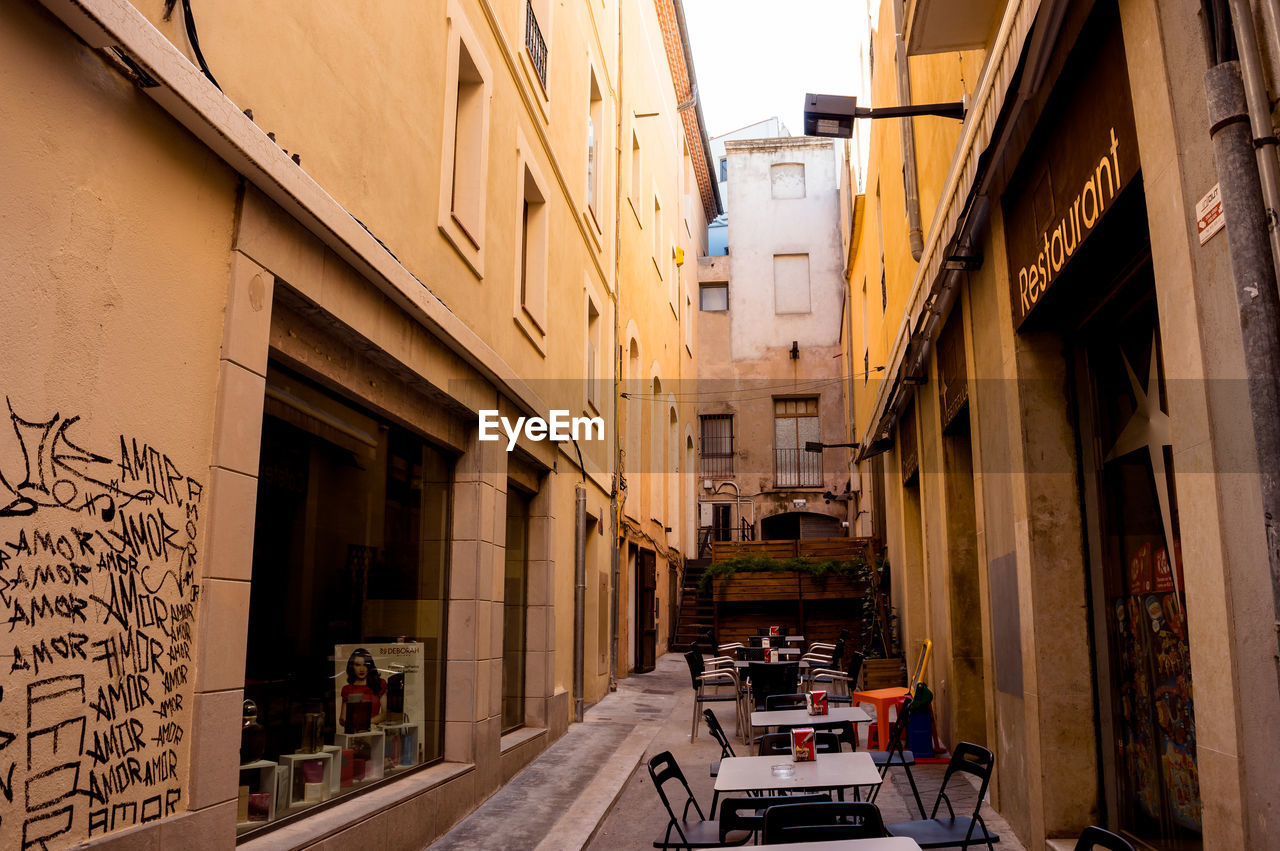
591,789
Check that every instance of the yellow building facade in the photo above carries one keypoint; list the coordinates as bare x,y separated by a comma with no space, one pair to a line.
1058,451
271,272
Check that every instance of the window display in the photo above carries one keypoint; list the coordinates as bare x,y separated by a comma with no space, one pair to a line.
345,663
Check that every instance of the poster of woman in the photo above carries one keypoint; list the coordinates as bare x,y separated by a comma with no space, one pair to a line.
376,685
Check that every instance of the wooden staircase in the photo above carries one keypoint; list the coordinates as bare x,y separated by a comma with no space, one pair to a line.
695,616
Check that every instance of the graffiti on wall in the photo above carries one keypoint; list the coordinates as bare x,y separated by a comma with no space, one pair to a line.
98,598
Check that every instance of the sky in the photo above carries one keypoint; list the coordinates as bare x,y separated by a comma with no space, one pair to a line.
757,58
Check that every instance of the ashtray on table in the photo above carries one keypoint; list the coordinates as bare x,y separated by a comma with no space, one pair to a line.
783,769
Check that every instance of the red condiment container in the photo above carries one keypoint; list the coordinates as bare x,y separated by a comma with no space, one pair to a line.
803,746
817,702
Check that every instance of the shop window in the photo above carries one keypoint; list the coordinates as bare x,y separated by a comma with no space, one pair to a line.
514,608
346,647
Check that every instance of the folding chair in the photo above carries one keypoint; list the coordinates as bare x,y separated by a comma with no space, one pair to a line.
748,813
897,756
785,701
1095,837
717,733
954,831
822,822
690,833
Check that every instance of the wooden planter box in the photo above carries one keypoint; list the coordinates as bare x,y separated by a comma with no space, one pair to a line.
883,673
760,586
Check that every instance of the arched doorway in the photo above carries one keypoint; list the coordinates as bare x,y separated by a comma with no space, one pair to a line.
797,525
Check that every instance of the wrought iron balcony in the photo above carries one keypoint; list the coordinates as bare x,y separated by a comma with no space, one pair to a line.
535,44
796,468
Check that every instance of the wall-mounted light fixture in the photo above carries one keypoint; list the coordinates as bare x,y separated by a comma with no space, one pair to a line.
833,115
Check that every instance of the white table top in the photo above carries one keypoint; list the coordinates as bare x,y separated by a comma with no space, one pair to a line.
888,843
828,771
802,718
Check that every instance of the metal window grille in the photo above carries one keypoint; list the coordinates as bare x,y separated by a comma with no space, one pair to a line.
534,42
717,445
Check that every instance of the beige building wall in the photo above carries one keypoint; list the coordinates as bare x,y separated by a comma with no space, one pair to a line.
784,286
1029,589
168,243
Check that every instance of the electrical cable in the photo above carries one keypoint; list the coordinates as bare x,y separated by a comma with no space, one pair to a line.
192,37
730,395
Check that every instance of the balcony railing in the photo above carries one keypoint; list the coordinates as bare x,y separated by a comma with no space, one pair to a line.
796,468
534,42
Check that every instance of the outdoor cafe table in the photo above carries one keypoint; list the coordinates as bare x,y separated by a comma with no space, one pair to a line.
828,771
885,843
802,718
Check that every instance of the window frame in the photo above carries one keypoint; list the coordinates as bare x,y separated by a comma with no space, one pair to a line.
530,292
467,237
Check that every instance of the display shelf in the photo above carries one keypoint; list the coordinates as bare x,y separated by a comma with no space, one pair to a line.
369,754
401,744
266,772
310,777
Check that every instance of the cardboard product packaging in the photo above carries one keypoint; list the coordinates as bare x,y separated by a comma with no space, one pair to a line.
817,701
348,776
803,744
259,806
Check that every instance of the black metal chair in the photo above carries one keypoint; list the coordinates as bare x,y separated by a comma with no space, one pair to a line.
717,733
954,831
748,813
827,645
785,701
1095,837
689,833
708,687
779,744
822,822
769,678
897,756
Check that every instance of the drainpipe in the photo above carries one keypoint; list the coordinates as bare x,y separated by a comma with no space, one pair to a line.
1264,134
579,600
1252,266
910,180
615,507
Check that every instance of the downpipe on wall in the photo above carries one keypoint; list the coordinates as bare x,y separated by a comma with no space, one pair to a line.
910,177
1253,269
1259,107
579,598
